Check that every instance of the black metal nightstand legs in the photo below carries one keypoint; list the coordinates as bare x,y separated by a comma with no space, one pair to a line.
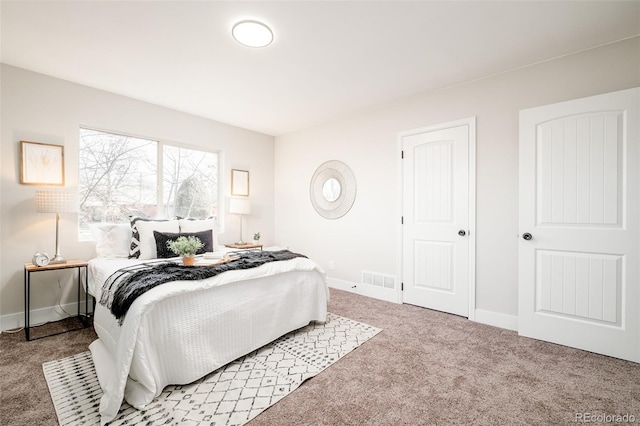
73,264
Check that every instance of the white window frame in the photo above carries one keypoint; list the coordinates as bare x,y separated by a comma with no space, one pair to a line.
161,143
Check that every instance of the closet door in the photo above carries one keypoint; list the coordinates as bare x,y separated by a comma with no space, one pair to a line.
436,242
580,224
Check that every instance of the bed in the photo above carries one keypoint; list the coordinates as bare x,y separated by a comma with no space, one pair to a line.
180,331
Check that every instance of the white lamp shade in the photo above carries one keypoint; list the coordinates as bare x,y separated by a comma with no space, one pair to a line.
240,206
56,202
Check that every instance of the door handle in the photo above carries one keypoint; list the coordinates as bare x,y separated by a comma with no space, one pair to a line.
527,236
462,232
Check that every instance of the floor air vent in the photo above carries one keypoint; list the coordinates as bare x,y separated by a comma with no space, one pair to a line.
378,280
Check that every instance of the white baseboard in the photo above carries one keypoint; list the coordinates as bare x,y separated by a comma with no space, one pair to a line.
390,295
39,316
509,322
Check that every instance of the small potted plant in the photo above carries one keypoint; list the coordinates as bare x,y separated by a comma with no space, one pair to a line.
186,247
256,238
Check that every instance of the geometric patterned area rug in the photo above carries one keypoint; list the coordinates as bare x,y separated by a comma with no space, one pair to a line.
231,395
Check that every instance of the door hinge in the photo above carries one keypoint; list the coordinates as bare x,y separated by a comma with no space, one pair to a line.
401,220
401,286
402,154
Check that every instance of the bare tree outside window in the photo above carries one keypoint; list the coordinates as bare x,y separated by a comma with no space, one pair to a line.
119,177
190,182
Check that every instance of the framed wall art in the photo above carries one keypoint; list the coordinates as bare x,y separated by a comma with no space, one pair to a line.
41,164
239,182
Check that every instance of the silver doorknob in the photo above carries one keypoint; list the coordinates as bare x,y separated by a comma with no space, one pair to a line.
462,232
527,236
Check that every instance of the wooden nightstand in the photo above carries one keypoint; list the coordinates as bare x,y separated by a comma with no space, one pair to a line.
244,246
29,268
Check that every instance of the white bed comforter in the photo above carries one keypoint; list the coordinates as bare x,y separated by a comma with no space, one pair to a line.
183,330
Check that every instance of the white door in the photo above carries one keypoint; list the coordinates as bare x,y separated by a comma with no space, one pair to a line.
436,220
579,224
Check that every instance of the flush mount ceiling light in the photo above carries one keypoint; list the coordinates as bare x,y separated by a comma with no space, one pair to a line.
252,33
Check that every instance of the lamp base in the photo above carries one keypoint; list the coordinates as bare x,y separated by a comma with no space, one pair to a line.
241,243
57,259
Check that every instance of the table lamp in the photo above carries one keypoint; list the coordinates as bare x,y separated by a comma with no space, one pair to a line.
240,206
56,202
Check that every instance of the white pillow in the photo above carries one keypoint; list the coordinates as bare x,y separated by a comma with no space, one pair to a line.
112,239
199,225
147,242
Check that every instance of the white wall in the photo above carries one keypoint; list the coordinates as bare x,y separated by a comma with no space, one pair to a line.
39,108
43,109
367,237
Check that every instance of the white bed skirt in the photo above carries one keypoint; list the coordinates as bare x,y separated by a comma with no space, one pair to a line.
179,332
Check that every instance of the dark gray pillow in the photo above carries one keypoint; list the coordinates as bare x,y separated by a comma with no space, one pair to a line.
163,237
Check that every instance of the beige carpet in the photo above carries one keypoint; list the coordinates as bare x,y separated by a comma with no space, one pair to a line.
426,368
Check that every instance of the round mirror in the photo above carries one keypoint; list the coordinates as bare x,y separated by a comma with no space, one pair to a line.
331,189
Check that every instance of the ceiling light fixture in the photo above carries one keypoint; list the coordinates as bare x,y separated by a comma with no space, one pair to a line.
252,33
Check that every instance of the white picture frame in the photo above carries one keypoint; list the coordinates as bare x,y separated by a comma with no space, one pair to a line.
41,164
239,183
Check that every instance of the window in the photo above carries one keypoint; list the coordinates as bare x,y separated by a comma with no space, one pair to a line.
190,182
121,176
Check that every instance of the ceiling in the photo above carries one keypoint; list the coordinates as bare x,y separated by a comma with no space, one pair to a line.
329,58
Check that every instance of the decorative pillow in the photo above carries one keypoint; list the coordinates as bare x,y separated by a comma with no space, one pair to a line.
143,244
199,225
112,239
163,237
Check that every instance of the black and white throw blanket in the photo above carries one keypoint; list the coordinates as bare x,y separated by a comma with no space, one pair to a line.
125,285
